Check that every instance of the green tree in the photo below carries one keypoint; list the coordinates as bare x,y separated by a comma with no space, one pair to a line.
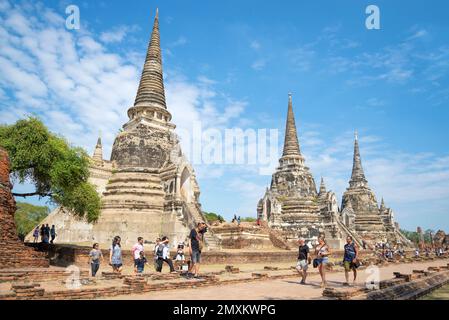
212,216
411,235
414,236
28,216
428,235
57,170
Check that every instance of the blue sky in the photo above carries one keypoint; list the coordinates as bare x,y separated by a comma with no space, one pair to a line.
231,64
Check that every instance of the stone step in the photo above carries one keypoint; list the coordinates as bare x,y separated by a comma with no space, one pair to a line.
134,192
130,207
134,184
137,179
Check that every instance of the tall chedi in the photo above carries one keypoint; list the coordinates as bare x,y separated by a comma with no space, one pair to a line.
368,221
360,211
148,188
291,202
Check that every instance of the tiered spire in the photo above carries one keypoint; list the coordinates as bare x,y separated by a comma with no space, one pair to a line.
357,176
322,187
291,144
98,153
151,88
382,205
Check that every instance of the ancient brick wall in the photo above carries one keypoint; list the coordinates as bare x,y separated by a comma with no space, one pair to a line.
13,252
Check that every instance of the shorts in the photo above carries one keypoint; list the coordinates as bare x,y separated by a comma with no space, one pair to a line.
323,260
302,265
196,256
349,265
140,269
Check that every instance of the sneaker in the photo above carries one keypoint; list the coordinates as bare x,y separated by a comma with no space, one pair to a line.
345,284
302,282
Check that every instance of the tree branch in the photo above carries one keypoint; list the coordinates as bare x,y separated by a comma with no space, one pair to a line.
31,194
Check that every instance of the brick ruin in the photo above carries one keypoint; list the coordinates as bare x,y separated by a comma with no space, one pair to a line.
14,253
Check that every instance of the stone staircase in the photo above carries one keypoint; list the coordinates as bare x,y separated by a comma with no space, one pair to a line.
348,232
15,255
277,239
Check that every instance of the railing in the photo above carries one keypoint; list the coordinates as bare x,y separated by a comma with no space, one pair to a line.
349,232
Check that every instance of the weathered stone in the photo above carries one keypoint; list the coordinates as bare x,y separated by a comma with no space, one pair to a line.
292,205
13,252
148,188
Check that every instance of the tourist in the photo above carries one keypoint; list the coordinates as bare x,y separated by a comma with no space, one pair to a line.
258,222
42,232
36,234
350,257
156,246
136,250
163,255
322,253
238,220
416,253
52,233
180,257
115,255
363,244
94,259
303,262
140,263
47,231
195,247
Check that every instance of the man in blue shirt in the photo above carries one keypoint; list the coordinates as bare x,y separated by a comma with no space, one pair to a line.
350,259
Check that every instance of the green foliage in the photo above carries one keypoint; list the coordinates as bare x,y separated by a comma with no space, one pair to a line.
428,234
212,217
56,169
28,216
248,219
414,236
411,235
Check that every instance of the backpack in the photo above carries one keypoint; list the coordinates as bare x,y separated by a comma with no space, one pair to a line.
160,251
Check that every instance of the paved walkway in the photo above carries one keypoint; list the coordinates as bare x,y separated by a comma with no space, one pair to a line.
277,289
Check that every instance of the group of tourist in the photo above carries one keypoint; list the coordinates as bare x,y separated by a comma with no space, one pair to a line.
438,251
321,253
236,219
46,234
386,251
161,254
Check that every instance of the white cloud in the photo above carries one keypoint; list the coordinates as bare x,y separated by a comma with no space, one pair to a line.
302,57
179,42
117,34
255,45
259,64
418,34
